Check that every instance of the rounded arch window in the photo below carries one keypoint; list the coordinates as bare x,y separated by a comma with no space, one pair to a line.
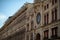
38,36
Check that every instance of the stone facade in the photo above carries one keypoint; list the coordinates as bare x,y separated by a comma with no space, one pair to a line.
34,21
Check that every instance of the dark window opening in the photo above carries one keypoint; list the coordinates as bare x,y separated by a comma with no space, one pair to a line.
52,15
47,5
38,36
55,13
27,37
46,19
32,25
46,34
31,36
52,2
44,7
27,27
54,32
55,1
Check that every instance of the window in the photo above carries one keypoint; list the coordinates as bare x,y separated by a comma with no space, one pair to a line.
27,37
46,34
46,19
54,32
27,27
32,25
54,15
38,37
38,18
31,36
46,6
54,1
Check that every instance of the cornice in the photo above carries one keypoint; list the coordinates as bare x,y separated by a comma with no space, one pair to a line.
18,13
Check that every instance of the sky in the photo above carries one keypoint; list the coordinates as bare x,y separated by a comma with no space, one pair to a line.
9,8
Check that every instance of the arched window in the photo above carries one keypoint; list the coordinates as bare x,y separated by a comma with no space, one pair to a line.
38,36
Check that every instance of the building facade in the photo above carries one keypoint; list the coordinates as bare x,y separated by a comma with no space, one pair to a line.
34,21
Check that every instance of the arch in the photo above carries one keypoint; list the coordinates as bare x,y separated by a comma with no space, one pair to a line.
38,36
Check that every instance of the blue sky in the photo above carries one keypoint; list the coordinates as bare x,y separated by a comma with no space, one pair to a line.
9,7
